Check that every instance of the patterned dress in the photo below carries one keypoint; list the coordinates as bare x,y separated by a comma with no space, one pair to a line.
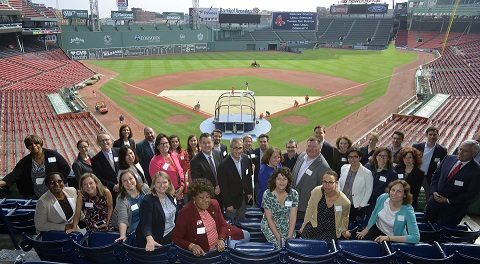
326,229
96,210
280,214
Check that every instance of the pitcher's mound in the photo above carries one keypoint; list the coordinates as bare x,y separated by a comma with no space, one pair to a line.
295,120
178,119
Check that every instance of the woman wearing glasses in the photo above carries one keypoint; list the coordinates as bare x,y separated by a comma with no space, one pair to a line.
355,182
83,163
327,212
56,207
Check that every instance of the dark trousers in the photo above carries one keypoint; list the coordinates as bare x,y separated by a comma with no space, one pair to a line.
373,233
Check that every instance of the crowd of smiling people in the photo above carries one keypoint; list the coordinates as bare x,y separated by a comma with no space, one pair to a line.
163,192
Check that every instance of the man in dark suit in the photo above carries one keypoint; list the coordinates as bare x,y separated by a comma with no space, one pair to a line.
454,184
290,158
433,153
145,151
105,163
205,164
217,138
235,180
326,148
263,140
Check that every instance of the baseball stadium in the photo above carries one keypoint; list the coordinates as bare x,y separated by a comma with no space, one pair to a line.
358,68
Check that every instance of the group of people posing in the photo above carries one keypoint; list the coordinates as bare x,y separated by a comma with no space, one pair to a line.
163,192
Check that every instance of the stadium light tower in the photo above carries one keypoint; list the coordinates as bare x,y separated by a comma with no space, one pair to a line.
94,20
196,15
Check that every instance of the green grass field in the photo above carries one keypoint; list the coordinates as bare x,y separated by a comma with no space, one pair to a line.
359,66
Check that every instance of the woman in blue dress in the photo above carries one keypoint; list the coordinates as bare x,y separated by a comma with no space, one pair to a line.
270,161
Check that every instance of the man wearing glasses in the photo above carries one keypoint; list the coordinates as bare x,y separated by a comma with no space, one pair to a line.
105,163
290,158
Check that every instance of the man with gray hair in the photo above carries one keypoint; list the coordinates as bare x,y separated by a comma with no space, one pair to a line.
454,184
235,180
290,158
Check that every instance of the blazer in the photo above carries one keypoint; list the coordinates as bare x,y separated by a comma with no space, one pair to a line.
152,219
80,166
158,163
223,151
119,143
366,155
49,214
327,153
362,185
102,169
401,224
308,182
188,222
438,154
460,189
257,162
232,184
289,163
200,167
339,159
414,179
380,182
123,210
22,173
145,154
342,211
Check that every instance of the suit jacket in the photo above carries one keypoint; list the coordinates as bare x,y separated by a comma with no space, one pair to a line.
145,155
415,179
233,186
460,189
80,166
438,154
308,182
257,162
327,153
102,169
22,173
289,163
362,185
188,221
223,151
152,219
49,214
119,143
200,167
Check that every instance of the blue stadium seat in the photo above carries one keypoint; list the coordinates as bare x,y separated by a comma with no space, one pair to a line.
252,225
260,253
100,247
13,203
211,257
22,220
164,254
310,251
460,233
363,251
462,253
54,246
419,253
429,233
254,212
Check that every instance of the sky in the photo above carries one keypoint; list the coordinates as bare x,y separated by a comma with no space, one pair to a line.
160,6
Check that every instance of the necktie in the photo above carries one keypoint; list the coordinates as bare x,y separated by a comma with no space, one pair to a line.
212,167
110,160
454,171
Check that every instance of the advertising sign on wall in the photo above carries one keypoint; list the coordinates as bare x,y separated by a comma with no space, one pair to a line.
211,13
294,20
122,3
75,14
377,9
173,16
341,9
122,15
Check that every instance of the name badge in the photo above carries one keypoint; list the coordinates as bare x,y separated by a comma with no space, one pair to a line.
338,208
165,166
252,156
89,205
382,179
308,172
246,171
115,159
436,159
344,159
52,159
134,207
39,181
288,203
458,183
224,153
182,157
400,176
401,218
200,230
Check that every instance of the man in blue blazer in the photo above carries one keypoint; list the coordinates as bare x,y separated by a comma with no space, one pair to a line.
145,152
454,184
263,140
105,163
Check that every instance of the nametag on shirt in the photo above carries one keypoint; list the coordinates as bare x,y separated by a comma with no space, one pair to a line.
344,159
401,218
165,166
308,172
52,159
224,153
436,159
338,208
115,159
383,179
288,203
400,176
252,156
39,181
182,157
246,171
458,183
200,230
89,205
134,207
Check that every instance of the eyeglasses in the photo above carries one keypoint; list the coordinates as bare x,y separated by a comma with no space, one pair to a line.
164,143
353,157
55,182
328,182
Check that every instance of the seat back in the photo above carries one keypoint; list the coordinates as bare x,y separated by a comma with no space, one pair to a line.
257,252
462,253
418,253
187,257
100,247
164,254
362,251
252,225
428,233
53,247
253,212
460,234
309,251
